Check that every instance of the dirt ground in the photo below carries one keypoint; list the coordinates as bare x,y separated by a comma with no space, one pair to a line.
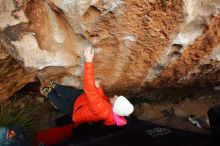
171,111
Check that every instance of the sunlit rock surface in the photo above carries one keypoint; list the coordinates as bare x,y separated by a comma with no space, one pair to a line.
139,44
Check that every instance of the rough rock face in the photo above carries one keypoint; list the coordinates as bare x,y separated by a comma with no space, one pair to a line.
139,43
12,76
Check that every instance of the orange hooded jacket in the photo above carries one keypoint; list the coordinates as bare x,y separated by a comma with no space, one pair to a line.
93,106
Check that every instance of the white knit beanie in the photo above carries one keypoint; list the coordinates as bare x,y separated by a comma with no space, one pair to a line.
122,106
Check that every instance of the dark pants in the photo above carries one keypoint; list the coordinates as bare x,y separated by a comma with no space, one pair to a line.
63,97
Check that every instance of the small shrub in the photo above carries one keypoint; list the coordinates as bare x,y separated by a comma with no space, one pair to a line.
25,118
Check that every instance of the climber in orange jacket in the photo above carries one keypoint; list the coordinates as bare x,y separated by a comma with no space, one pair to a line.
93,105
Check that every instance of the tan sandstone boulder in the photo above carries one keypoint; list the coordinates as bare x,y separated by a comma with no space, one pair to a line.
139,44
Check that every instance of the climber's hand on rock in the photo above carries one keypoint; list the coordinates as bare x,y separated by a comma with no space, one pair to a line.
89,54
98,82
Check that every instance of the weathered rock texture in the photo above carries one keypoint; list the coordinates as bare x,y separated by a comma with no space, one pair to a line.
139,43
12,76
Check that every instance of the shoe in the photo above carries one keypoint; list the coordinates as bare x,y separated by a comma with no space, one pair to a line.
52,84
47,90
